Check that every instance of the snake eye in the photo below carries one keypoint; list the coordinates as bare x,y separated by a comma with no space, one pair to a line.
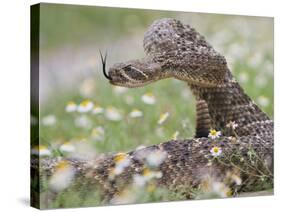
127,67
134,73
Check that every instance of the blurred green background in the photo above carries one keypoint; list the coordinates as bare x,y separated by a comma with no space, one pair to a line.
70,37
70,70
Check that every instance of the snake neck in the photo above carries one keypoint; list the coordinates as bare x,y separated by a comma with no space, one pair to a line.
227,104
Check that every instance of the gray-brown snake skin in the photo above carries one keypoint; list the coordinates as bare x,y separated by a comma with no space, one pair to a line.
178,51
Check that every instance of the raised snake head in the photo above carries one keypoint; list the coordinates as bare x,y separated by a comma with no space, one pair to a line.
173,50
135,73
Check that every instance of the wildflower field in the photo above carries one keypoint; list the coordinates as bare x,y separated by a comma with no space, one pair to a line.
83,116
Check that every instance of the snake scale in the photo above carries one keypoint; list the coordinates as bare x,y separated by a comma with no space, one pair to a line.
175,50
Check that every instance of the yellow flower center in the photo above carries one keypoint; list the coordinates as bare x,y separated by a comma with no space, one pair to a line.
149,94
151,188
96,132
175,135
229,193
85,103
216,149
62,165
41,147
81,139
71,103
66,143
120,157
146,172
213,132
110,109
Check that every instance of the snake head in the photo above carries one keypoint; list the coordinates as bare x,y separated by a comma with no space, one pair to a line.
173,50
135,73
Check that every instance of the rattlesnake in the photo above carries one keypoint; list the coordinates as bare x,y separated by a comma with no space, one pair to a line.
177,50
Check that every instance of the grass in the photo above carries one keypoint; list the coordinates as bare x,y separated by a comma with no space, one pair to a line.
129,132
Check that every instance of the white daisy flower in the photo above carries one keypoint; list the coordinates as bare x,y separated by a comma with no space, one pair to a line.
148,98
113,114
232,125
255,60
263,101
236,179
212,187
140,147
261,81
213,134
155,158
268,67
98,133
243,77
151,188
135,113
175,135
129,99
67,147
141,153
62,177
150,174
126,196
185,123
236,51
160,132
82,122
49,120
186,94
139,180
119,90
85,106
87,88
216,151
97,110
117,170
122,160
41,151
163,117
70,107
221,189
84,150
